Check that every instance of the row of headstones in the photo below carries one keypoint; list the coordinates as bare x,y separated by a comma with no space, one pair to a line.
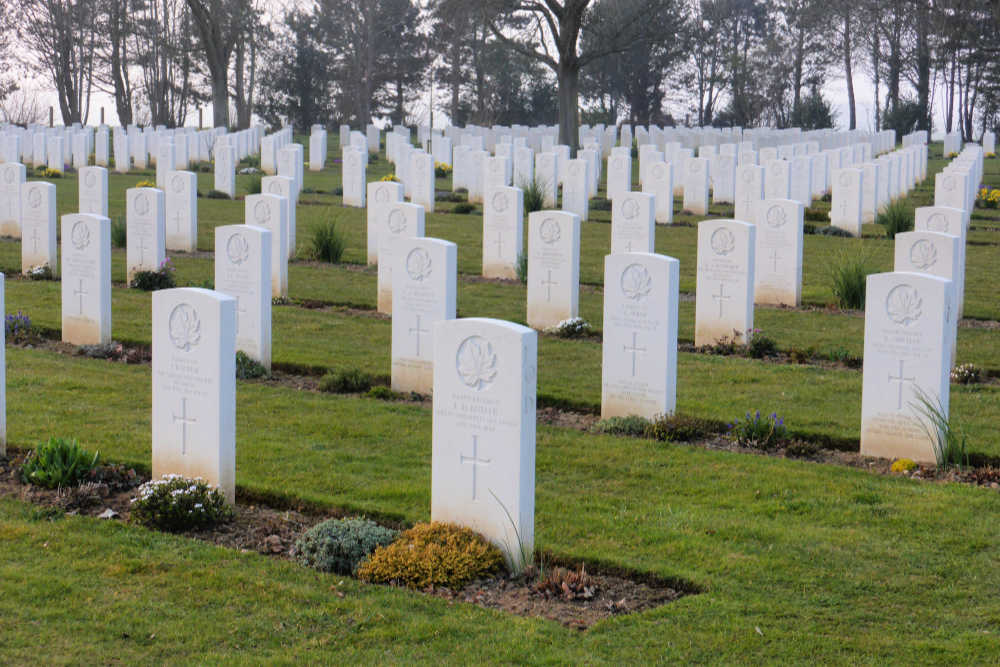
911,321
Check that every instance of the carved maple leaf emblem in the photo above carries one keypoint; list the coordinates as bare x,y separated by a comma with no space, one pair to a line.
476,362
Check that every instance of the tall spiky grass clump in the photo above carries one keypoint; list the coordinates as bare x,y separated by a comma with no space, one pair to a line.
849,273
897,217
534,196
949,444
327,242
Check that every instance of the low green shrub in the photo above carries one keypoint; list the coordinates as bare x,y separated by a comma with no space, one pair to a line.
350,381
759,345
897,217
758,432
830,230
327,243
254,185
463,208
58,462
815,215
808,228
383,393
966,374
801,449
341,545
217,194
681,428
175,504
633,426
600,204
150,281
248,368
433,555
42,272
575,327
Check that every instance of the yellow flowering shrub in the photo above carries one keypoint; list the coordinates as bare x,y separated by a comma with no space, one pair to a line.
433,554
902,465
390,178
145,184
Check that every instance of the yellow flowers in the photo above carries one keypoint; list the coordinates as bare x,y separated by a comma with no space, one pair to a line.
988,198
903,465
391,178
145,184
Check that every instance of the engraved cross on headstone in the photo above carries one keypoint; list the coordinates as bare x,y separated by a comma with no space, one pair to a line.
634,349
499,244
142,252
548,283
417,330
775,256
901,379
476,462
34,238
177,221
80,292
184,421
721,297
238,311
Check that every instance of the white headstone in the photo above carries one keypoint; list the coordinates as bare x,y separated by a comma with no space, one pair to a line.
93,190
778,179
908,324
12,177
749,191
38,226
845,203
283,186
800,179
696,186
424,286
181,200
547,175
483,452
633,227
639,358
194,386
553,268
381,197
575,188
225,170
421,179
723,176
935,254
946,220
353,176
659,182
243,271
503,232
145,230
271,213
778,270
165,162
725,281
401,221
619,175
86,279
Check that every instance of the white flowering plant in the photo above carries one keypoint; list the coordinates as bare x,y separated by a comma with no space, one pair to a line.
575,327
176,504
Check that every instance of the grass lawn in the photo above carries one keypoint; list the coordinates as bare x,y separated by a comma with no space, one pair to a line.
794,561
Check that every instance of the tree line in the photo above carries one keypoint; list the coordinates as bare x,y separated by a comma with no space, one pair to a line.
697,62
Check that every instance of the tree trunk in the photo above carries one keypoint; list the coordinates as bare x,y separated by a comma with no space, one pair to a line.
848,74
949,116
924,66
876,63
569,99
